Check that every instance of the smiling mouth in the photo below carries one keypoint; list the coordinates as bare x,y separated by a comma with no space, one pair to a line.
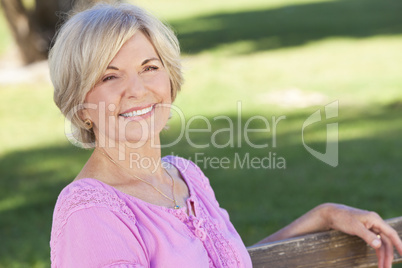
138,112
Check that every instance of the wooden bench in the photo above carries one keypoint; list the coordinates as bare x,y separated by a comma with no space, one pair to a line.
326,250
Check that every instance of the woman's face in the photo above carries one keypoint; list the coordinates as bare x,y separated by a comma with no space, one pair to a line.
133,96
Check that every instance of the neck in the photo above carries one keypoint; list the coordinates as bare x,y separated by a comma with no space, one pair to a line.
144,159
143,164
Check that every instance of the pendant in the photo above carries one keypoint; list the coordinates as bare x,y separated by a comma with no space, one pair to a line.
176,207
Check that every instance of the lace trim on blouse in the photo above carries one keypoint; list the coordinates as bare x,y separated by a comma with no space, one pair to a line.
204,227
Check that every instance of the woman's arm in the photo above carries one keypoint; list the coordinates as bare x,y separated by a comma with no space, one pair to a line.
365,224
313,221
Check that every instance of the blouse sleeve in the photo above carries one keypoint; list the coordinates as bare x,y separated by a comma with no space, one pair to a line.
98,237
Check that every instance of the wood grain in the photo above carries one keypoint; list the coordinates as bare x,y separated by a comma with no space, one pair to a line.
319,250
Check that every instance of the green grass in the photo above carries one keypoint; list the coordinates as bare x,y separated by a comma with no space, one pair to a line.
312,52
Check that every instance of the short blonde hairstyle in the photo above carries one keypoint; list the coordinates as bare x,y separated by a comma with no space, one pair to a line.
88,42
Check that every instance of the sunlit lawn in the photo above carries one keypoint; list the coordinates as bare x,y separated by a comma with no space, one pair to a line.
277,59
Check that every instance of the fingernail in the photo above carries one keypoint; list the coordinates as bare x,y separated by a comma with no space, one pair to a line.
376,243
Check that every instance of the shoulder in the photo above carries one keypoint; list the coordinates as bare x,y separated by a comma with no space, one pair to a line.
86,194
90,215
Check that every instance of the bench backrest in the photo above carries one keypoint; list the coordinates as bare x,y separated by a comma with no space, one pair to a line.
325,249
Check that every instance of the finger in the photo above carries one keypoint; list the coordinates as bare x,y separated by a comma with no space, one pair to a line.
369,236
378,225
391,235
380,257
388,250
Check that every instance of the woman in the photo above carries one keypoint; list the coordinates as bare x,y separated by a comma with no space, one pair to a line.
116,71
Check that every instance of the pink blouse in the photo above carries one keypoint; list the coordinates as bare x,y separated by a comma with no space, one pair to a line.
96,225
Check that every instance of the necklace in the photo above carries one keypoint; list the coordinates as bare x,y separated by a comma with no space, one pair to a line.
150,184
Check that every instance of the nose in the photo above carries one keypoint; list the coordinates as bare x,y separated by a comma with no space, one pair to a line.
135,87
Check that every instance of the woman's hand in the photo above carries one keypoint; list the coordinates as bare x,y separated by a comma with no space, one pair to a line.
367,225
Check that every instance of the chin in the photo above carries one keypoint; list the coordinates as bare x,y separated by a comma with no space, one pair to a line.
136,140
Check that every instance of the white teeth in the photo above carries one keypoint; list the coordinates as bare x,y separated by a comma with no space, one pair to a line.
139,112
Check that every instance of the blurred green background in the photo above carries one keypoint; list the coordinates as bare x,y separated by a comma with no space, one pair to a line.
279,58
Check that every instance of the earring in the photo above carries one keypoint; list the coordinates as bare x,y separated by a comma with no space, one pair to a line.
88,124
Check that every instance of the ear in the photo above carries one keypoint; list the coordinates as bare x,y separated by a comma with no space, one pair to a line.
84,114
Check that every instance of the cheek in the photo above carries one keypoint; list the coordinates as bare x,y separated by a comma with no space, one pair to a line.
96,96
105,102
109,92
162,86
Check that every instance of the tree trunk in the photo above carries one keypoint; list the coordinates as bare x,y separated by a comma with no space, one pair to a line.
33,30
29,42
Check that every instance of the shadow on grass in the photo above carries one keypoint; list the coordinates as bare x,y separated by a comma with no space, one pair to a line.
259,200
290,26
30,183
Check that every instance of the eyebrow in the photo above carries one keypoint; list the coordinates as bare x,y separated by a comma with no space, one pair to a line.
112,67
148,60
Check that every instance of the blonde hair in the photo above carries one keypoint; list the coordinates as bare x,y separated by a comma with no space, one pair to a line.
88,42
